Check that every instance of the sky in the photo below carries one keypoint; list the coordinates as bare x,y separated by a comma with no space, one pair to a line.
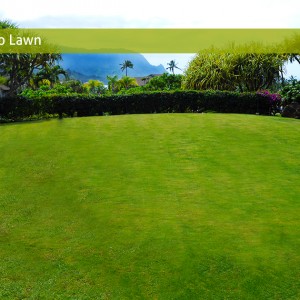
153,14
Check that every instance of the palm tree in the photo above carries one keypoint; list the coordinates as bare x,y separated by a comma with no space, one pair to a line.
51,73
127,82
112,83
95,86
125,65
172,65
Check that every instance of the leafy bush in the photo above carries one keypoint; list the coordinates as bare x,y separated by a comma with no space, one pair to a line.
164,82
133,90
18,108
45,90
291,92
151,102
95,87
274,100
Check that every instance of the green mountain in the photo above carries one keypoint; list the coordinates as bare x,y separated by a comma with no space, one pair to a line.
98,66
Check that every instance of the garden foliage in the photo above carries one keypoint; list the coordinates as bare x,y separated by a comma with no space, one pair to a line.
291,92
150,102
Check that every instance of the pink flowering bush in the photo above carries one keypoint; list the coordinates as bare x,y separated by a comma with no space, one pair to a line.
275,101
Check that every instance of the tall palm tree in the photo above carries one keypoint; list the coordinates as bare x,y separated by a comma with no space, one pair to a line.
172,65
125,65
112,83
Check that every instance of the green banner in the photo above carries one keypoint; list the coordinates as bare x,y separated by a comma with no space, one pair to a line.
148,40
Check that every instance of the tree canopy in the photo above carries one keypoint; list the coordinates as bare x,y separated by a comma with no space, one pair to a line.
19,68
50,73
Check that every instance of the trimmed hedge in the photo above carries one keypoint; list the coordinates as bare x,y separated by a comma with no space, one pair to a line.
150,102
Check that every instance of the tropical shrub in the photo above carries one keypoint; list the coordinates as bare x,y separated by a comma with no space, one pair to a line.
274,99
75,86
291,92
95,86
164,82
125,83
45,90
234,71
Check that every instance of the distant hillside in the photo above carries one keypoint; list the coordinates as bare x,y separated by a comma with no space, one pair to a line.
98,66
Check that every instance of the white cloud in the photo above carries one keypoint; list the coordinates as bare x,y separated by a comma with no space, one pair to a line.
157,13
90,22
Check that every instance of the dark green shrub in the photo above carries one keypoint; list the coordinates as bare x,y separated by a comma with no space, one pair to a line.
150,102
291,92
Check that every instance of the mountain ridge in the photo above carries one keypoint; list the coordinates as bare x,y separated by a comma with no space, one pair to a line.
98,66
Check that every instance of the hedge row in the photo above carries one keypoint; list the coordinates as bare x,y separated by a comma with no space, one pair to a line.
151,102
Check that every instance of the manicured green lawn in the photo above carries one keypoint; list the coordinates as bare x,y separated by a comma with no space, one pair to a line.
190,206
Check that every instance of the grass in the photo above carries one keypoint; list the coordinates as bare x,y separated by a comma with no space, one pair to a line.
190,206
